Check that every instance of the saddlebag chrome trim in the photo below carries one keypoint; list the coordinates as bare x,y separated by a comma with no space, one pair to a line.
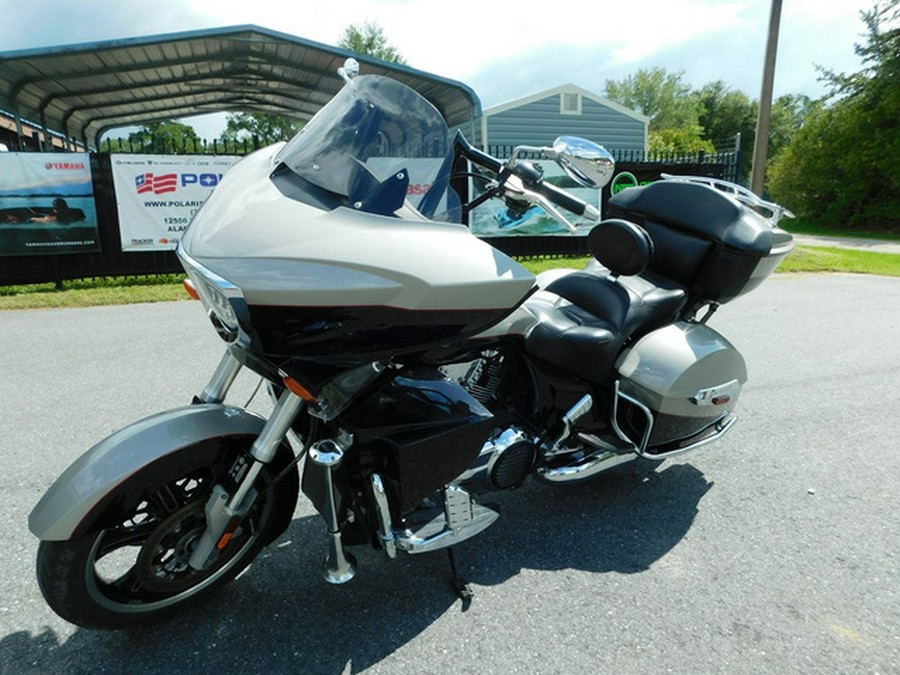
639,448
721,426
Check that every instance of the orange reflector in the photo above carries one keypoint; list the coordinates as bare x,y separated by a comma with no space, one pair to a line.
191,290
229,533
298,389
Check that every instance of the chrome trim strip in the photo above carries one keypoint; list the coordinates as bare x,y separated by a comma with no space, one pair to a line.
723,424
232,293
726,421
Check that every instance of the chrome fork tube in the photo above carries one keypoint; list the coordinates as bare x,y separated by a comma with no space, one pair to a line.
222,379
266,444
223,512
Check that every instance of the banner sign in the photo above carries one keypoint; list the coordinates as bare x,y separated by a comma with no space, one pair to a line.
158,195
496,219
46,204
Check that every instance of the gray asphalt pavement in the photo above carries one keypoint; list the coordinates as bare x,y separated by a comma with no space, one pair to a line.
776,550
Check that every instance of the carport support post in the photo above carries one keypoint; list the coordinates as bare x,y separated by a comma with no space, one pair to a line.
46,138
764,119
20,134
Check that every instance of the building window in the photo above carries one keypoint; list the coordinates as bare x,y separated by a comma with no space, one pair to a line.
570,104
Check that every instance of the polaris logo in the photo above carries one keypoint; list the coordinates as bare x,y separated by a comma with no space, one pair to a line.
207,180
170,182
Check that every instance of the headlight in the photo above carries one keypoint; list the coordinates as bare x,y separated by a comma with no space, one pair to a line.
217,295
214,298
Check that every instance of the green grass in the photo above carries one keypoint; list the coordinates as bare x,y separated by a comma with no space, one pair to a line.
816,259
94,292
542,264
801,226
802,259
118,291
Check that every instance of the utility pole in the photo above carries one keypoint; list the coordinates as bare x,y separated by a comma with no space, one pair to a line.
764,119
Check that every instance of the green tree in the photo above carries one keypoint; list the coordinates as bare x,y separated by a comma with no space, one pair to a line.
670,104
841,168
167,136
369,39
789,113
265,127
723,114
679,141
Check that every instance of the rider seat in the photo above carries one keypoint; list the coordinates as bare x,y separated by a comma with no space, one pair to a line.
585,317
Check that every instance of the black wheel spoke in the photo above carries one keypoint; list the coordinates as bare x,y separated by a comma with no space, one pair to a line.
122,536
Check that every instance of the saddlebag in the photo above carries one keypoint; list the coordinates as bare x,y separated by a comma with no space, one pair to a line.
677,388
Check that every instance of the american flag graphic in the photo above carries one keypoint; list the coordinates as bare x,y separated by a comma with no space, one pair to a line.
147,182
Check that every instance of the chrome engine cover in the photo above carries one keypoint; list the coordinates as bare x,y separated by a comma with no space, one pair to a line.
505,461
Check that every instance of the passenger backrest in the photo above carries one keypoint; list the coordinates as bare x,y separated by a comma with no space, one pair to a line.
621,246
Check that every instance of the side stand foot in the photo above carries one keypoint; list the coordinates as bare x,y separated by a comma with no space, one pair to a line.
462,589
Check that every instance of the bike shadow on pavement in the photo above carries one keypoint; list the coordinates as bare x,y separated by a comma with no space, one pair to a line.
280,616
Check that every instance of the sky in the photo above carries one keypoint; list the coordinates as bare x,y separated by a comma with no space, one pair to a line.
501,50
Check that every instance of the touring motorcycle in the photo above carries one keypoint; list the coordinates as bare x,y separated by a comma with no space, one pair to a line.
413,367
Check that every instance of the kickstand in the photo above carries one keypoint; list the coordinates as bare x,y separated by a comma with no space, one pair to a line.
463,590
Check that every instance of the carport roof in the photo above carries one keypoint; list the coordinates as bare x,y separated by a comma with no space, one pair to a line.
84,90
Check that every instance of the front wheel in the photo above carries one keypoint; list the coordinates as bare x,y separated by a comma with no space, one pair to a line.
131,568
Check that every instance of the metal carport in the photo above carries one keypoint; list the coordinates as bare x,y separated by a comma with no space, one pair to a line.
83,90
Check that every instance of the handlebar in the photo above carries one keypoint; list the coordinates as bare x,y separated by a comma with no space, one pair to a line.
532,185
560,197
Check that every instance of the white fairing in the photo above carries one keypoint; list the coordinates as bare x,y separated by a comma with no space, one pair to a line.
281,251
357,210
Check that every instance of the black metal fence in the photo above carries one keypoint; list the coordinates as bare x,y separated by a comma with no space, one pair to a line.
189,146
112,261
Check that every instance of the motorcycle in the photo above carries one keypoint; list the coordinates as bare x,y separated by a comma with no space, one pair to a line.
414,369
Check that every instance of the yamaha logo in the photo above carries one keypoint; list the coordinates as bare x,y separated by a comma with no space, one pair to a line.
65,166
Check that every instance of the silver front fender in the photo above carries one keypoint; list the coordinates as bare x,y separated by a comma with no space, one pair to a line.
82,486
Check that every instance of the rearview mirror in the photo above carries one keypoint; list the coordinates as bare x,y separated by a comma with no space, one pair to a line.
584,161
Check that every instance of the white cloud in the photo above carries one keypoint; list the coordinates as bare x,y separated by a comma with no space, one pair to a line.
504,50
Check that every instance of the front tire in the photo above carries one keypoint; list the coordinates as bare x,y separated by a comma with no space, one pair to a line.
131,567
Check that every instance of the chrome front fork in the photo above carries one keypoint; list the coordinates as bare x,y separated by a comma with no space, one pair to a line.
222,379
223,511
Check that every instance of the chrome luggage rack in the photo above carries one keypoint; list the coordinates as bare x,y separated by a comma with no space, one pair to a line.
771,211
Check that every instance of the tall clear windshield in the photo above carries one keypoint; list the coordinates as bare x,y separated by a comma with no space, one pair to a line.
377,146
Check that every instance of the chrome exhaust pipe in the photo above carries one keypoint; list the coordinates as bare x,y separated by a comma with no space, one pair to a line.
339,566
590,466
